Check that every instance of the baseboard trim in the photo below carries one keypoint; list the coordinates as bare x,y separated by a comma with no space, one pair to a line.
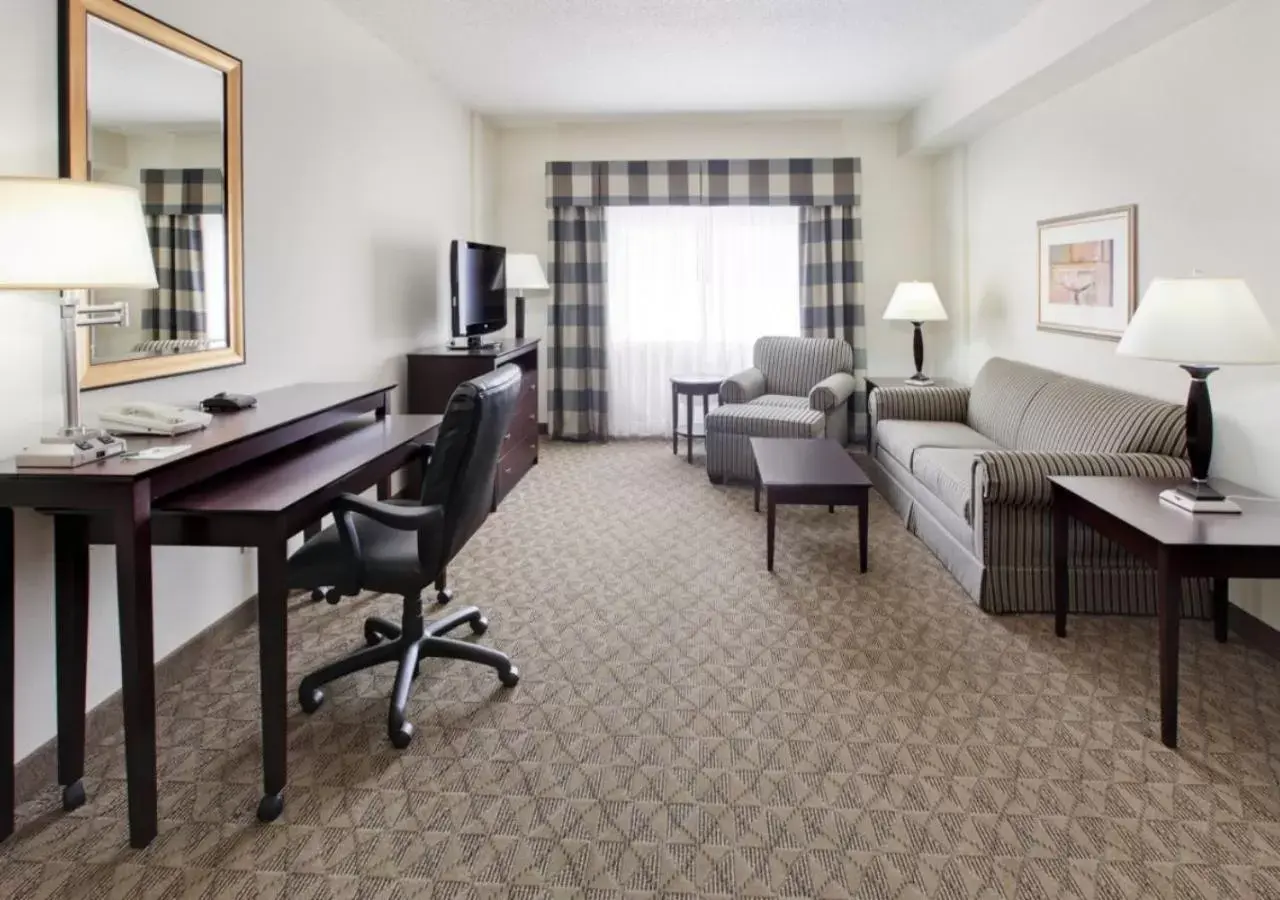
39,770
1253,631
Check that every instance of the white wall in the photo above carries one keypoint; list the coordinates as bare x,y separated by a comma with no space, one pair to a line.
1188,129
896,196
356,178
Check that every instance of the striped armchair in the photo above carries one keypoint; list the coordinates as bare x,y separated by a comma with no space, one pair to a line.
969,471
796,387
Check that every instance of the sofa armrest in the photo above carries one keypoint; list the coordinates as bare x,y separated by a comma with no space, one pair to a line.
832,392
743,387
931,404
1021,477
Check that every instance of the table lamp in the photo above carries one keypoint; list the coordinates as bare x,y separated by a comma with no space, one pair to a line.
1201,324
916,302
73,236
524,273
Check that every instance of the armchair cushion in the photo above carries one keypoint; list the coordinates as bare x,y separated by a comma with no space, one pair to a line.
1021,477
743,387
832,391
781,400
934,404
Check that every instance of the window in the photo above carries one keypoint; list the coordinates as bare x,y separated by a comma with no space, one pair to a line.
690,290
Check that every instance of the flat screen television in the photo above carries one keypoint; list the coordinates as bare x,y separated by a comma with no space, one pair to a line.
478,277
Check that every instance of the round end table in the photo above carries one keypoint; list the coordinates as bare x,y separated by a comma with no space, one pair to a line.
704,386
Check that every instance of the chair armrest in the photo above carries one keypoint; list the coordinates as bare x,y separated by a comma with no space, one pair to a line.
931,404
393,515
743,387
1021,477
832,391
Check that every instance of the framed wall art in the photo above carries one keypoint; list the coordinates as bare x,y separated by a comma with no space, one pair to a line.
1089,273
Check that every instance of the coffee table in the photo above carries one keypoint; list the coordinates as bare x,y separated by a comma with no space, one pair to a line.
809,472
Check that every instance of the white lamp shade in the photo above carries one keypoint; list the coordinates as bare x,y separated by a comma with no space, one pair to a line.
915,301
59,234
524,273
1201,321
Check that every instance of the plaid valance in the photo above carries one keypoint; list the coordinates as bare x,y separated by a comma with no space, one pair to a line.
711,182
182,192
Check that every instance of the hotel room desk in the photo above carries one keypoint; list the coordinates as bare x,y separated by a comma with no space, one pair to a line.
252,478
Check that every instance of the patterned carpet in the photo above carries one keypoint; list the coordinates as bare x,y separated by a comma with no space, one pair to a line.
689,725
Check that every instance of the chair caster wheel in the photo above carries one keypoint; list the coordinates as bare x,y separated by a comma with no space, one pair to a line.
316,595
371,637
509,678
333,596
73,796
270,807
480,626
444,595
400,735
310,699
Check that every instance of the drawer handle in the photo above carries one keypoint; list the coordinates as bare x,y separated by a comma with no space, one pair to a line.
533,446
507,436
532,416
507,470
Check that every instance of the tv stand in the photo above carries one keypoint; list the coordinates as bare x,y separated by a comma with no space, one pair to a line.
475,344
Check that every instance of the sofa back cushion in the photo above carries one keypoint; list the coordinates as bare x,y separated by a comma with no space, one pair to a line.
1000,396
1071,415
794,365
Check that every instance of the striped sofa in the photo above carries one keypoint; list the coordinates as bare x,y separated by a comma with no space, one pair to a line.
968,469
796,387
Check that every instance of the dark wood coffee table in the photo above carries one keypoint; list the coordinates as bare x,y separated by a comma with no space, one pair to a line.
809,472
1176,544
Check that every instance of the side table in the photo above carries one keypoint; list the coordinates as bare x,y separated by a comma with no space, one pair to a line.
704,386
1177,545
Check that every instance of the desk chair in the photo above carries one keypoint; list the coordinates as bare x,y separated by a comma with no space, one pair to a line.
402,548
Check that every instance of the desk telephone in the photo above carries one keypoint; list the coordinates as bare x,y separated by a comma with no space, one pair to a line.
152,418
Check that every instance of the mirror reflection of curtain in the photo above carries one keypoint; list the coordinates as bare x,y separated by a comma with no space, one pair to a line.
173,201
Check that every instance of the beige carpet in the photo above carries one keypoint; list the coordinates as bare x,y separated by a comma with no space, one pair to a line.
689,725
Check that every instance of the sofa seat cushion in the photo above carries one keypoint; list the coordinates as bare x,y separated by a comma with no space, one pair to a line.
781,400
760,420
901,438
947,473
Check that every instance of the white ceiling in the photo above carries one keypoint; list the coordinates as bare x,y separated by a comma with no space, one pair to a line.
135,82
609,57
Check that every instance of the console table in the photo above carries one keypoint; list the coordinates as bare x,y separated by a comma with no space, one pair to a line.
435,371
252,478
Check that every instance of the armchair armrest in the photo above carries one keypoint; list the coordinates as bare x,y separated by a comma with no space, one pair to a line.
832,391
932,404
743,387
1021,477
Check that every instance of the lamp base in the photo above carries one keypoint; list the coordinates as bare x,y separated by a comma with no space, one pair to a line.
1184,498
69,448
919,380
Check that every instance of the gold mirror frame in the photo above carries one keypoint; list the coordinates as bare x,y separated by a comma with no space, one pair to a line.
74,102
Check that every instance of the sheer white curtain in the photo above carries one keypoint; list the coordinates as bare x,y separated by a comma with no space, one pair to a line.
690,289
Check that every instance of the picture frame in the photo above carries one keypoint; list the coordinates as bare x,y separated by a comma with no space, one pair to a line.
1088,273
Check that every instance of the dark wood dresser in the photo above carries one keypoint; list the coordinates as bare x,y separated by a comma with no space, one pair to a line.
435,371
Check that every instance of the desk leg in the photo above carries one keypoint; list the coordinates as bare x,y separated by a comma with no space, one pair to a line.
71,621
132,529
1061,583
1169,605
273,649
770,527
863,528
675,421
1221,604
384,489
6,672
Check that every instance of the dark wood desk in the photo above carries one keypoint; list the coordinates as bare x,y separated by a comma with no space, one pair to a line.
118,500
1176,544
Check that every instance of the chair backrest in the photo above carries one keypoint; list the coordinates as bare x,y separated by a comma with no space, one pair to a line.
793,365
464,461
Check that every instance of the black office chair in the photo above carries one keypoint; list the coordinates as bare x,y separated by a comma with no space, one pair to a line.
402,548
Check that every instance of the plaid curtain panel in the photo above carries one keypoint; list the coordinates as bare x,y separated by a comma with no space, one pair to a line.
579,399
831,304
176,309
173,200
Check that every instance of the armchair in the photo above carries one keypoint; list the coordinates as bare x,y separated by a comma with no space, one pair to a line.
403,548
796,387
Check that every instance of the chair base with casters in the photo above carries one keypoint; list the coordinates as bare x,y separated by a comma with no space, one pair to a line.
408,643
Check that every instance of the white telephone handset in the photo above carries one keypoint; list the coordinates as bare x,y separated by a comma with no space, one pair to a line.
141,417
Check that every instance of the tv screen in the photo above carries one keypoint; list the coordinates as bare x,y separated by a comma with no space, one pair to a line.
479,284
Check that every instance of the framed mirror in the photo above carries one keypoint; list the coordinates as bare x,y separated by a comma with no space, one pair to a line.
148,106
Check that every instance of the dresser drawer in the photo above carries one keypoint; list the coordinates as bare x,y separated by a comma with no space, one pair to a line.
529,393
513,465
